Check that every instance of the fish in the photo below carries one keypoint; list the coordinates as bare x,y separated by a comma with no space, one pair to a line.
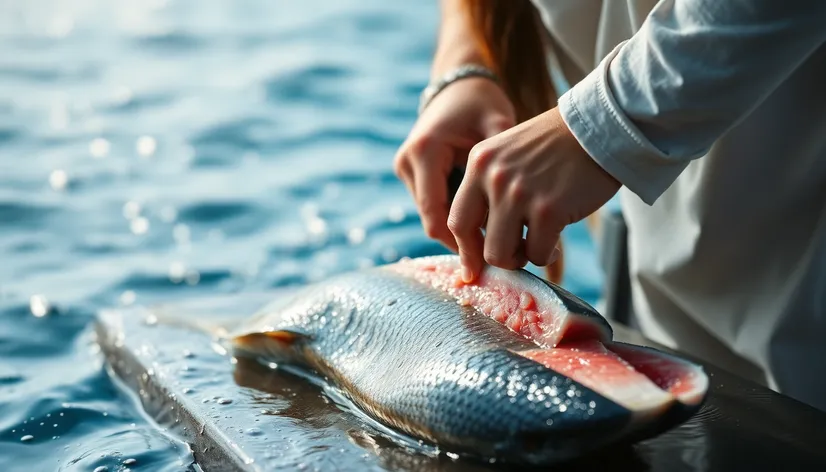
509,367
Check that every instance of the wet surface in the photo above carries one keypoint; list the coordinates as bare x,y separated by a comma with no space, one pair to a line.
254,417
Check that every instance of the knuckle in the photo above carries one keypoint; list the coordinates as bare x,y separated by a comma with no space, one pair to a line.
497,259
497,179
502,122
399,164
455,225
480,156
420,145
543,209
516,190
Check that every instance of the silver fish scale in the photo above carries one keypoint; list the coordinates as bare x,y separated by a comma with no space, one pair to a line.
443,372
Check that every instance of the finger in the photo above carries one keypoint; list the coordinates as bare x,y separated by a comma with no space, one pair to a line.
430,184
404,172
555,271
541,241
503,237
467,215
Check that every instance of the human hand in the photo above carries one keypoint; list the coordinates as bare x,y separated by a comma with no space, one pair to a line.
536,175
463,114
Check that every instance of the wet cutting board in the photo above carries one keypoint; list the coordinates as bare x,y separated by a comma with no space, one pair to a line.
240,415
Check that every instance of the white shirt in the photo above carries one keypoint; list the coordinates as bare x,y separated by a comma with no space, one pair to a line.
712,114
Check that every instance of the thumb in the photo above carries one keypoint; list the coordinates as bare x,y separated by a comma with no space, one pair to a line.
495,123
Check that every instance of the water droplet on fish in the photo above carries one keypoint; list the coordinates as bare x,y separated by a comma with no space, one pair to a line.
27,437
254,432
224,401
130,461
102,468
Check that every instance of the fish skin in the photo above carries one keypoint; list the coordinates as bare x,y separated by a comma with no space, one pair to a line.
418,362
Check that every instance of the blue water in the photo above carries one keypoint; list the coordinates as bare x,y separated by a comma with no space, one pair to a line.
153,150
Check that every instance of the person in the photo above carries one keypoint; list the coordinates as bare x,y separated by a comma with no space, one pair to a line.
706,118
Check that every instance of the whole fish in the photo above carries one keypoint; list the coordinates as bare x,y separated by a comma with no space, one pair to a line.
508,367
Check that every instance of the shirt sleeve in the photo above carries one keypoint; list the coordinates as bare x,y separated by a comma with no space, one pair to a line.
692,72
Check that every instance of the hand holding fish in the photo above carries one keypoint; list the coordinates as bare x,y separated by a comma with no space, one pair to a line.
535,174
464,114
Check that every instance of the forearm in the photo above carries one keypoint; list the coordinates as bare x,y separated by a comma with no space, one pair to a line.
693,71
456,44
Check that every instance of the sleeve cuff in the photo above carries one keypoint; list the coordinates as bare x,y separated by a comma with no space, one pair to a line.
596,120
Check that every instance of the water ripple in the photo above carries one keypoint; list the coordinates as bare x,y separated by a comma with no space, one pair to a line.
317,84
24,215
172,42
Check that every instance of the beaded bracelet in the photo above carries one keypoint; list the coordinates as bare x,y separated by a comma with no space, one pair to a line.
461,72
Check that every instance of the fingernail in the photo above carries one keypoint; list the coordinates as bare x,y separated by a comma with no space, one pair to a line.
467,275
554,256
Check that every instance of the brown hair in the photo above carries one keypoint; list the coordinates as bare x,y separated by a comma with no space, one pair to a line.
511,37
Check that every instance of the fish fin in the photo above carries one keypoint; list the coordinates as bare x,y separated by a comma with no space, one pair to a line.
220,316
288,336
279,344
285,337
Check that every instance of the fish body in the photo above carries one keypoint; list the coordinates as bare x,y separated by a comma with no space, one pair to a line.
510,367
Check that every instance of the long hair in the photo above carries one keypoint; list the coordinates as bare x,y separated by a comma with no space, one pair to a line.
511,37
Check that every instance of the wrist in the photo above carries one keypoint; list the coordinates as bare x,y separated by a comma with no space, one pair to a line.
464,71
